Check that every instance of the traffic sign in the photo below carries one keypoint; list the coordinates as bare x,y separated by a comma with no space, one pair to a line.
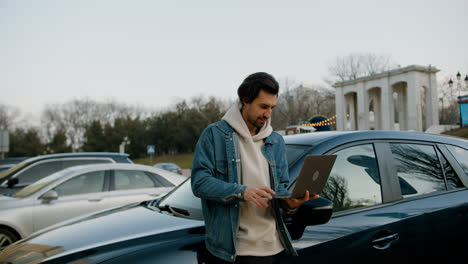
150,149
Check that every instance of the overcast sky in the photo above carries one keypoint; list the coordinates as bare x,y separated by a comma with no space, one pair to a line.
153,53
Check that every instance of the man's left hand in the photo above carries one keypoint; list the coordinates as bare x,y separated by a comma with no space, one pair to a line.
296,202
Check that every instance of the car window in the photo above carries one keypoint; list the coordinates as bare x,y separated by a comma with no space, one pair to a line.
453,182
75,162
39,171
90,182
461,155
132,179
159,180
294,152
419,167
354,179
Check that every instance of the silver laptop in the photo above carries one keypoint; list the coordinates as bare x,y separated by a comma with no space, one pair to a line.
313,176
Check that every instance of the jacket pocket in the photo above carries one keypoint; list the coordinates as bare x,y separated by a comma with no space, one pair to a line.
222,170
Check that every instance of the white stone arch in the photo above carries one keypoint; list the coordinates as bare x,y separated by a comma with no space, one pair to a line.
405,99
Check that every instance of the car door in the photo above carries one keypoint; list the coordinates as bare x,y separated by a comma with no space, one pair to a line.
434,215
355,188
129,186
78,195
386,207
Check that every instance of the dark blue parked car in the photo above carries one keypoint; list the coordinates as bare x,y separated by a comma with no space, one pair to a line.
395,195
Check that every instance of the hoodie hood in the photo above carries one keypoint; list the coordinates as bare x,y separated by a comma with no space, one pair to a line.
234,118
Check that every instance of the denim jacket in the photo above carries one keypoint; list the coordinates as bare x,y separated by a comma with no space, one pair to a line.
214,179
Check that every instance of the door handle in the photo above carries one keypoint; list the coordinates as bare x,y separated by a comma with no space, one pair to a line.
384,242
94,199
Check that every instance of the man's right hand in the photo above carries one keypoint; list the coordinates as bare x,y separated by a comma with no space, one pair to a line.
256,194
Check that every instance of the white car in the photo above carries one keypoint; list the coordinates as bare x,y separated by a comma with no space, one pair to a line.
79,190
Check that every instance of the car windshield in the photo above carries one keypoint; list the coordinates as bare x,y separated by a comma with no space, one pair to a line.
294,153
183,199
35,187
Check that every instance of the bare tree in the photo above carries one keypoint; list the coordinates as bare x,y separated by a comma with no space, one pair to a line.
448,106
301,103
8,116
355,65
74,116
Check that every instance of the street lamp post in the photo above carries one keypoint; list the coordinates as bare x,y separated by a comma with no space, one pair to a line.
459,88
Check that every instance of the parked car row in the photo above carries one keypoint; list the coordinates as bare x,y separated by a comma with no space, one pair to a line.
45,190
390,195
34,169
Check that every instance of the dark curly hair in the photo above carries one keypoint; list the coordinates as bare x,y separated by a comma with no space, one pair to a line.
255,82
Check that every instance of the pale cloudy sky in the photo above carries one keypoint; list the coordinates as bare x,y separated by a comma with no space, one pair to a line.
154,53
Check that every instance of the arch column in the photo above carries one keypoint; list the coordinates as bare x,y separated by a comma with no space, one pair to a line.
388,119
413,104
362,108
340,108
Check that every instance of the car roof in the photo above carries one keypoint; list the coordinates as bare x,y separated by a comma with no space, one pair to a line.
175,178
341,137
79,154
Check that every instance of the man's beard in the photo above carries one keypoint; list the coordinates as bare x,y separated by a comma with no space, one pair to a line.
256,123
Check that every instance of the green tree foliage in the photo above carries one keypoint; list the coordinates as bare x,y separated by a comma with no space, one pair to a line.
95,139
59,144
134,129
25,143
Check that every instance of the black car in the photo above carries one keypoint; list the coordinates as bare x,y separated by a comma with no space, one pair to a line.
34,169
396,195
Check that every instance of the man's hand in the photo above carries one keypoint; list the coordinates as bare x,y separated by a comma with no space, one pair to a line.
296,202
257,194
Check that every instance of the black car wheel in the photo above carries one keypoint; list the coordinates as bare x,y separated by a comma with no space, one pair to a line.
7,237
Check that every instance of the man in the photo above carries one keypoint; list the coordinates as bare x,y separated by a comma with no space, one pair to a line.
239,164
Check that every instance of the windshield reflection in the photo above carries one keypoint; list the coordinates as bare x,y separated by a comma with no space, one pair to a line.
35,187
182,198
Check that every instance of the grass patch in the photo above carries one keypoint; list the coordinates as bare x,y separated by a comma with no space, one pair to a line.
459,132
184,160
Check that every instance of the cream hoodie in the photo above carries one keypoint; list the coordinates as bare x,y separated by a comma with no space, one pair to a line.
257,235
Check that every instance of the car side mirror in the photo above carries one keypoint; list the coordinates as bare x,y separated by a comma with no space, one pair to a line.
313,212
12,182
49,196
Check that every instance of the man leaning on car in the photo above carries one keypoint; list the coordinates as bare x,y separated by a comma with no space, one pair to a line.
239,164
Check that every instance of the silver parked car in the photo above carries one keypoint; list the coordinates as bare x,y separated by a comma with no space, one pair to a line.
76,191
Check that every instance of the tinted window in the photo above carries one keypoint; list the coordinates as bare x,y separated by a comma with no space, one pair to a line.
418,168
461,155
85,183
39,171
293,153
354,180
160,181
453,182
130,179
76,162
